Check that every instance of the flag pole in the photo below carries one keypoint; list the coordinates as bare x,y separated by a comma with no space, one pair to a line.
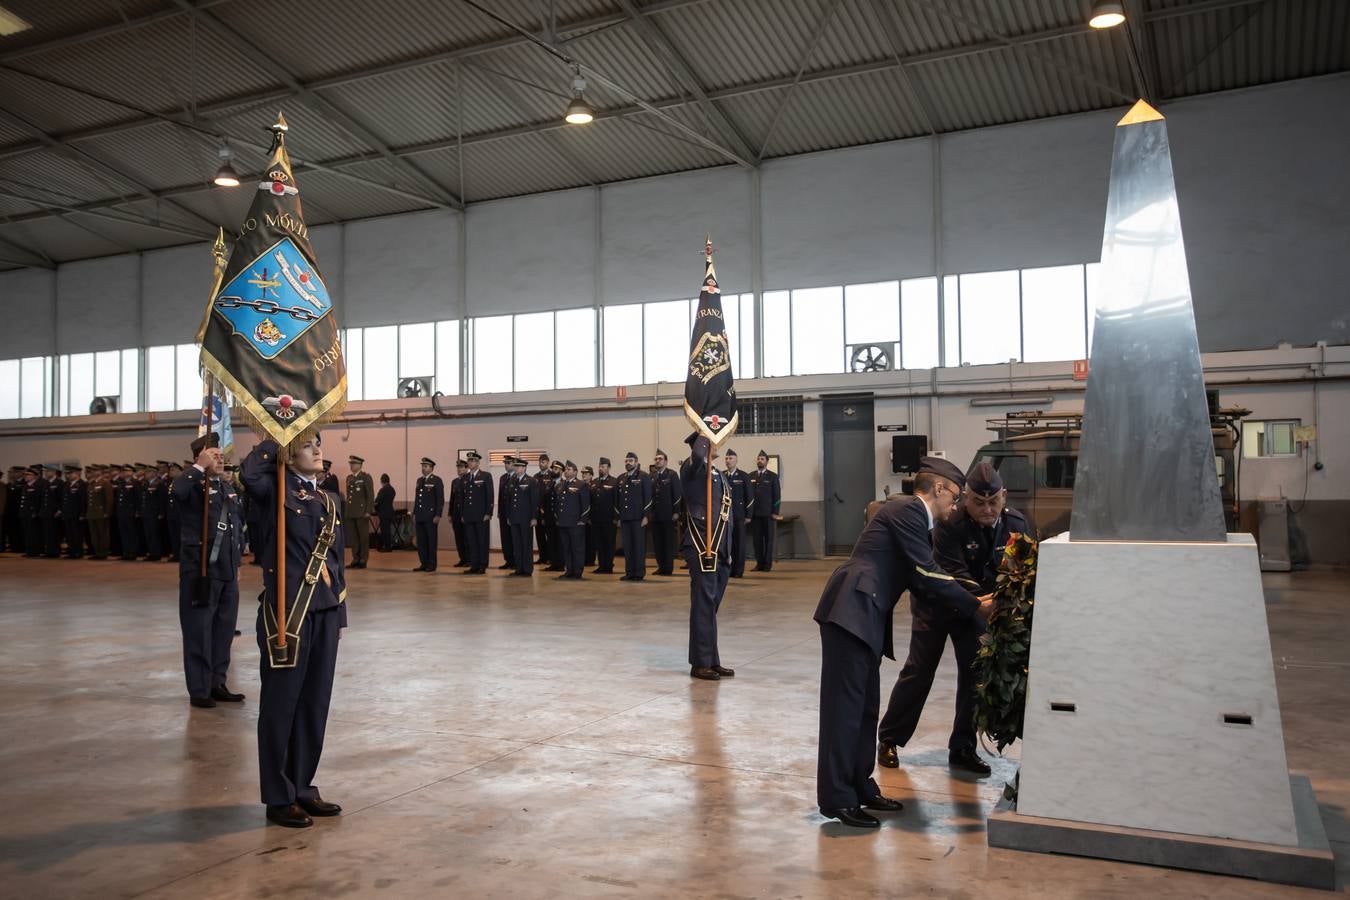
281,549
708,460
206,479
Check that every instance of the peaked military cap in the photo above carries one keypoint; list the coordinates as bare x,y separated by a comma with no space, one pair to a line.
604,461
587,470
473,454
162,462
520,461
936,465
543,457
211,440
36,470
69,468
557,466
355,459
569,465
984,479
459,463
428,461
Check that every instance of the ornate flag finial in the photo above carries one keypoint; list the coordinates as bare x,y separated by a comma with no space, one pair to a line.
280,126
708,248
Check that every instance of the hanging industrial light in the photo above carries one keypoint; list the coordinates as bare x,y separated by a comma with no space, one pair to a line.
1107,14
579,112
226,176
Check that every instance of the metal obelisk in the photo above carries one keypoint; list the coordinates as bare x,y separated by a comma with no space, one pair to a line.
1146,462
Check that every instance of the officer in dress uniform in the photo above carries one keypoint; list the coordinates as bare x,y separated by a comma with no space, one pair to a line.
98,507
542,535
208,610
138,506
707,574
893,554
359,505
555,548
740,505
74,495
571,507
297,680
635,502
766,495
588,556
53,490
11,529
604,517
428,504
504,488
384,511
329,482
664,514
154,508
457,515
969,547
30,511
522,517
478,498
165,489
172,518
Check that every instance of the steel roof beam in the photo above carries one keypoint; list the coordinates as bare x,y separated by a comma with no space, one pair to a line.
33,256
93,34
327,107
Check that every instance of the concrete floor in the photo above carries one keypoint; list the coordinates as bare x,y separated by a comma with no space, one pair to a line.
496,738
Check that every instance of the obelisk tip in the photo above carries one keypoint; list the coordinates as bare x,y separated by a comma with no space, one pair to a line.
1140,112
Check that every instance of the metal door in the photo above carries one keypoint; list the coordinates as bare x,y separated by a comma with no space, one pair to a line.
849,468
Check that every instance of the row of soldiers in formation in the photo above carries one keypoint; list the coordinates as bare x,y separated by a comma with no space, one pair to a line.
576,516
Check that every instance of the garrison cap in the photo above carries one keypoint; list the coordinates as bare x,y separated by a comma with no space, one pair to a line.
660,452
543,456
983,479
935,465
355,459
207,440
428,461
731,452
327,464
630,455
763,453
604,461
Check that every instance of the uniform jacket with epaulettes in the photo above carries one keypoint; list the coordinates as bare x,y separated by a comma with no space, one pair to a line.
635,495
571,502
478,497
604,498
428,498
360,499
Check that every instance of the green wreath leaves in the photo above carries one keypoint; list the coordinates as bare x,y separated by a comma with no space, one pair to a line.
1000,666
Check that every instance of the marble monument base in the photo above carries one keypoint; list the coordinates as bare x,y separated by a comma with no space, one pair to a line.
1310,864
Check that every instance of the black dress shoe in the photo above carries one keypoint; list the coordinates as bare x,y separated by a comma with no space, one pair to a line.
420,569
886,756
724,671
289,815
969,761
707,673
556,569
317,806
225,695
504,566
202,702
885,804
854,817
603,572
359,565
461,565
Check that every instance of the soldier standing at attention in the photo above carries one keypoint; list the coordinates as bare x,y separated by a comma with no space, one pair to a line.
544,479
740,503
164,487
329,481
30,511
524,496
73,500
208,609
171,516
766,495
428,504
555,551
635,500
457,515
11,537
707,574
359,503
98,507
154,509
666,496
384,511
572,504
477,514
504,489
52,493
604,517
138,505
588,556
297,682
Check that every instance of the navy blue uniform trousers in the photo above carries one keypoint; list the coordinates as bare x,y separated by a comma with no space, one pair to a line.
634,549
927,640
208,632
850,698
522,544
293,710
573,540
705,598
426,544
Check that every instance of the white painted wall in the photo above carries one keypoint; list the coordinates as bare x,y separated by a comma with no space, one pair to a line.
1260,175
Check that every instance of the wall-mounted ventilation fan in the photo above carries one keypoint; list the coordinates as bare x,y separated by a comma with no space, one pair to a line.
414,388
102,405
870,358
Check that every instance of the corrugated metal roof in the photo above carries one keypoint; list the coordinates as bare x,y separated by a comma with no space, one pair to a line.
414,74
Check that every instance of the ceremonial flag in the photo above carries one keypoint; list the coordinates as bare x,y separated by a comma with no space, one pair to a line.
709,389
216,417
270,335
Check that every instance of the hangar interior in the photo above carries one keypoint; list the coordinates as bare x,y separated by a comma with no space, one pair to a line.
906,198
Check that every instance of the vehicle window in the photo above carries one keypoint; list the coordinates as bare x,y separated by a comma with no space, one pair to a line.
1015,469
1059,471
